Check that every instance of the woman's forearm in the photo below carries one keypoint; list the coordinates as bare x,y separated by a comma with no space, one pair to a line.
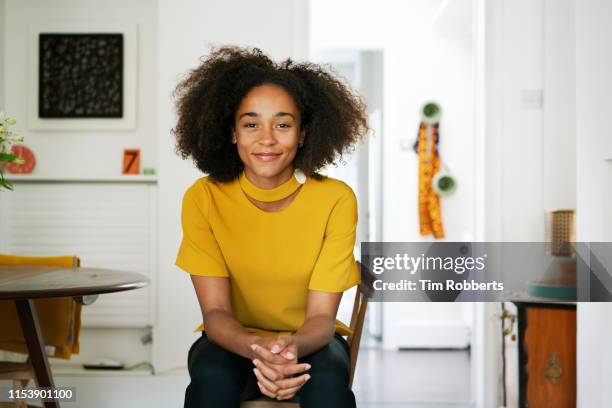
315,333
226,331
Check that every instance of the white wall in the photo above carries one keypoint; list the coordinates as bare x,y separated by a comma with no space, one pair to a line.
85,153
531,156
522,150
559,121
2,47
185,32
594,188
484,362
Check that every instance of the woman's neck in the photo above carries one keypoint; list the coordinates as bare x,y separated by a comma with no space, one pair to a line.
275,198
268,183
273,206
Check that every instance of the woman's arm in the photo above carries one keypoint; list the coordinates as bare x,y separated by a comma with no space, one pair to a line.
320,323
316,332
221,326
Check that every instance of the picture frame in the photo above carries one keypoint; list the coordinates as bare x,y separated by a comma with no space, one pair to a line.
80,75
124,121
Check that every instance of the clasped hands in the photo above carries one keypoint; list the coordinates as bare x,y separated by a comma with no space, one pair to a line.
278,373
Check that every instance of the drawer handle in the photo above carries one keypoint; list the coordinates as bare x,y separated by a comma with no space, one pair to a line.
553,370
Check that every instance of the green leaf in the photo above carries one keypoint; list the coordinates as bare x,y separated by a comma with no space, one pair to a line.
4,183
7,157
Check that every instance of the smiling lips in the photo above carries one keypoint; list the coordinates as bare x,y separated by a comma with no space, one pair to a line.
267,157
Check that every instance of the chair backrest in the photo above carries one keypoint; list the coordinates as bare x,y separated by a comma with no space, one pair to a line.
360,305
60,318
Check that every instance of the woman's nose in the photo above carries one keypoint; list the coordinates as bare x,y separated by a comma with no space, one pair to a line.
267,136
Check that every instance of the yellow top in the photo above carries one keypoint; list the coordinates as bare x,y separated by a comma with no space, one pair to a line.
271,258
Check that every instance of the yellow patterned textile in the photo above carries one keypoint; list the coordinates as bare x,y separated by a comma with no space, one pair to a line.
59,318
430,216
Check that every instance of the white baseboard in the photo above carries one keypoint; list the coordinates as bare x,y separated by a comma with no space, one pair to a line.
438,335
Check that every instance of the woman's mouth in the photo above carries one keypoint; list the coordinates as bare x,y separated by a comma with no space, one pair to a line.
267,157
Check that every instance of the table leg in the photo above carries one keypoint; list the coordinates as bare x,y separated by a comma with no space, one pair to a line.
36,345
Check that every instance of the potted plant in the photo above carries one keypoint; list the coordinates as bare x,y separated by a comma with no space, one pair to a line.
7,138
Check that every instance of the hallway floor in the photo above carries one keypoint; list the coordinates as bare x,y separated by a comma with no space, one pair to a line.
413,379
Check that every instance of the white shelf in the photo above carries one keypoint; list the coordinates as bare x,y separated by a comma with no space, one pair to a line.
70,370
138,178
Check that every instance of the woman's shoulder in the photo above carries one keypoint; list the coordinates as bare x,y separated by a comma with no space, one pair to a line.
204,190
199,188
330,187
207,186
336,199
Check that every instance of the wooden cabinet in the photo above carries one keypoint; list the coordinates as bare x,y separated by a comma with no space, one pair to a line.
546,354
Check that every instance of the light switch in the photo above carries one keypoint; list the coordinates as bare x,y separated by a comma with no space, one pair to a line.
532,98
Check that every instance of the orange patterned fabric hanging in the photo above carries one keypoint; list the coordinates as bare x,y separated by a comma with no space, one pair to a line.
430,216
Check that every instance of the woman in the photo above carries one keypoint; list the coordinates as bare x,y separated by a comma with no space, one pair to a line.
267,241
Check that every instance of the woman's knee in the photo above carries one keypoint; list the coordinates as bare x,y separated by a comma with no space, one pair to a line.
214,374
217,377
330,363
326,390
329,377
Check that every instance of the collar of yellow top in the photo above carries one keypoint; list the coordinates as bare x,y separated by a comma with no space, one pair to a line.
273,194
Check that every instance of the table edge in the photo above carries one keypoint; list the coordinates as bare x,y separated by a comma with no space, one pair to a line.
67,292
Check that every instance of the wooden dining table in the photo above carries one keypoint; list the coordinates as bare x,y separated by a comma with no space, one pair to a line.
24,283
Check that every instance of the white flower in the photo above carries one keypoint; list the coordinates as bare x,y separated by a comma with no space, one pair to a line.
14,137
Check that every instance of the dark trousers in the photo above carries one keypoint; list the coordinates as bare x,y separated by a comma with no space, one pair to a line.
222,379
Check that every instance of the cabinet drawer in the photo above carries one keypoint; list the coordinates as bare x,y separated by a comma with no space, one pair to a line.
547,346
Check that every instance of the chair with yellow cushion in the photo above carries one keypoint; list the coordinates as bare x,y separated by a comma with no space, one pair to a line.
363,293
60,323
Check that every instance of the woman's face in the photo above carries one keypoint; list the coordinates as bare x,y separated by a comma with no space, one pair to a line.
267,133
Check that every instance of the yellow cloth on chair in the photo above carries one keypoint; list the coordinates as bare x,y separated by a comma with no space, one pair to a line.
59,318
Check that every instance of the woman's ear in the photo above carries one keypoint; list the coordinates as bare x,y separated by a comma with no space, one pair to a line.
301,138
233,137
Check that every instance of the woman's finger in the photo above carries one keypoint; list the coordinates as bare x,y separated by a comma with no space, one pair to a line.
265,391
289,352
267,371
288,393
289,383
278,345
267,355
286,347
269,385
288,370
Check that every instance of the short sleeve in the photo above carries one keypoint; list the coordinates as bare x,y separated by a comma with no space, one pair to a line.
335,269
199,253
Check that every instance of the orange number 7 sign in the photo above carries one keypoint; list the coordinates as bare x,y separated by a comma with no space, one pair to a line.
131,161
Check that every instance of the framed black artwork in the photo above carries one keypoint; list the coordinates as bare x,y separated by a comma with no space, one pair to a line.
80,75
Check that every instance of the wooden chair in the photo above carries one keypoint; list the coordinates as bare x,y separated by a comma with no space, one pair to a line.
11,339
363,293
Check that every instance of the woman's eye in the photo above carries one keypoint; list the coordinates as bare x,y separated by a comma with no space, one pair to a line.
250,125
284,125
